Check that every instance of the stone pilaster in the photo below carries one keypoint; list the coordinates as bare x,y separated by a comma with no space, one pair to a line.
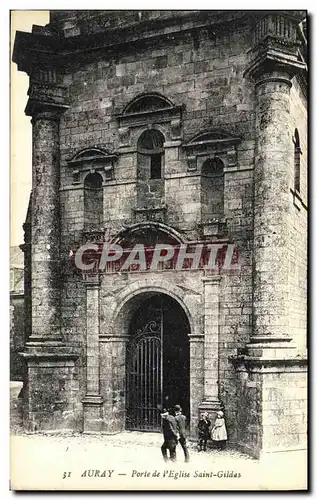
211,401
113,381
93,402
196,347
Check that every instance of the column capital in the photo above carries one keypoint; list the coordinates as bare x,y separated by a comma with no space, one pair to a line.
92,400
43,111
212,280
196,338
46,100
91,280
270,65
113,337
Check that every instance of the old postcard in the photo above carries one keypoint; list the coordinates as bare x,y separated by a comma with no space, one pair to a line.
158,295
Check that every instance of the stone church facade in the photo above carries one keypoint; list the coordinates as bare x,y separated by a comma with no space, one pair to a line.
168,127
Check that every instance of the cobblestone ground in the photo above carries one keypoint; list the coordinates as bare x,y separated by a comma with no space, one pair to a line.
129,460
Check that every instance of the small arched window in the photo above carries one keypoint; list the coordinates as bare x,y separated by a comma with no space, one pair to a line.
212,189
297,154
150,144
93,201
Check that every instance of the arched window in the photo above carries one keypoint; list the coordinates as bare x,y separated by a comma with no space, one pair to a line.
93,201
150,144
150,169
212,189
297,153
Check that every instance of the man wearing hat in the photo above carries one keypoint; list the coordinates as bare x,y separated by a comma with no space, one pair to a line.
170,433
181,425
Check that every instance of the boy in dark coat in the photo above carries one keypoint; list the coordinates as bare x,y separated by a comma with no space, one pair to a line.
203,432
170,433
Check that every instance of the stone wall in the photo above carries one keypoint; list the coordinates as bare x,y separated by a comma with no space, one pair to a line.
284,410
298,223
208,80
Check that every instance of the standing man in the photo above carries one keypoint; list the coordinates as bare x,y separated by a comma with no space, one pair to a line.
181,425
170,434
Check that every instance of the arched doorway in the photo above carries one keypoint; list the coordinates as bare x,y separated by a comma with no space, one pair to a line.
157,362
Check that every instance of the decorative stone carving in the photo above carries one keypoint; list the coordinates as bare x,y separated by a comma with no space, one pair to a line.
93,160
176,127
214,227
150,214
124,137
209,144
192,163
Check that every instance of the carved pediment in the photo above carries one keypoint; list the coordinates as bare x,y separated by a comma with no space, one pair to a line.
211,138
92,159
92,155
148,109
211,144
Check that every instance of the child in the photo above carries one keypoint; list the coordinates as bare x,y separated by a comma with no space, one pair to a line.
203,431
219,432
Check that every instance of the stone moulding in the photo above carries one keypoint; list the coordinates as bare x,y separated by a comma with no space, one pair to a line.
49,350
257,363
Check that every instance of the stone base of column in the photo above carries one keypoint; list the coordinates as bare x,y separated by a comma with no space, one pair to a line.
272,400
269,347
49,389
93,413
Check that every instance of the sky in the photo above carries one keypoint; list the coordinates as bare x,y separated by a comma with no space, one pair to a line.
21,130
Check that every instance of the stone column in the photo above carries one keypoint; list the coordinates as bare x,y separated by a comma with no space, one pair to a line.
45,222
93,402
272,171
272,70
211,401
273,160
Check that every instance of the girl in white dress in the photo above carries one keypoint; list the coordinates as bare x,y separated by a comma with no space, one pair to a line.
219,431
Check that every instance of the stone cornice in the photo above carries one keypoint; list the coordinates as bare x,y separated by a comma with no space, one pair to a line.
36,48
49,350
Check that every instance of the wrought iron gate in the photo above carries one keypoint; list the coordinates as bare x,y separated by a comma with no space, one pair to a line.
145,375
